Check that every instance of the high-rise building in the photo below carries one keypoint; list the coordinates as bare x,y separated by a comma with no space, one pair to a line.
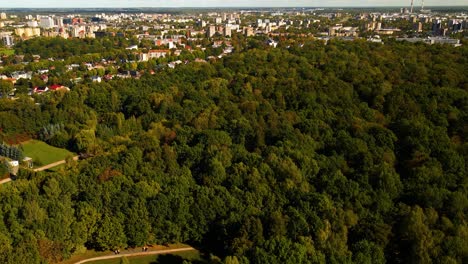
211,31
248,31
58,21
379,26
7,40
227,30
436,26
28,32
418,27
201,23
46,22
77,20
427,20
32,23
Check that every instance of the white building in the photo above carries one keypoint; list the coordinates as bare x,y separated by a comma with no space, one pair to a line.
3,16
21,75
28,32
272,43
143,57
32,24
47,22
154,54
14,163
7,40
227,30
132,47
58,21
211,31
96,79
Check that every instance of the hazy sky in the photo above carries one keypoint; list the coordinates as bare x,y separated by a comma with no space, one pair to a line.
216,3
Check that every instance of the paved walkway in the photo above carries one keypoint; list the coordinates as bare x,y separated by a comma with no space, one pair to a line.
156,252
55,164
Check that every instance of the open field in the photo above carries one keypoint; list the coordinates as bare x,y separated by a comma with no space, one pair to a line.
89,254
43,154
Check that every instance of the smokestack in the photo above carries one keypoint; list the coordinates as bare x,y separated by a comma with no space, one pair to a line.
411,11
422,5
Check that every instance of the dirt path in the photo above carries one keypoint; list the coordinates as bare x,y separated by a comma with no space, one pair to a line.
5,180
157,252
55,164
46,167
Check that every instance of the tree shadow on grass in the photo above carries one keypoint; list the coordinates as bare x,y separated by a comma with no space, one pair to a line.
168,259
173,259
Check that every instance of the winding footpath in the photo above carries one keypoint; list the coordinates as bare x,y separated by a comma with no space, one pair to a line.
156,252
55,164
5,181
43,168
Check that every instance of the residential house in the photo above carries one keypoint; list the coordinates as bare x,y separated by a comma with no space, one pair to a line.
155,54
97,79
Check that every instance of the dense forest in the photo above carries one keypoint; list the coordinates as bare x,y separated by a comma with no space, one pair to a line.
63,48
350,152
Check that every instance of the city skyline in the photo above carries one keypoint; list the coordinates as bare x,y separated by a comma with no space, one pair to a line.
218,3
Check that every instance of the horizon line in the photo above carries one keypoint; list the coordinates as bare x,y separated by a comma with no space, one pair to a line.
198,7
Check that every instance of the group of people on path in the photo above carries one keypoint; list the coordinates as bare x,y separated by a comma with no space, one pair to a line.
143,249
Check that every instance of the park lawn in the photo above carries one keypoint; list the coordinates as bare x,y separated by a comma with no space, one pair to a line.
7,52
44,154
87,254
56,168
175,258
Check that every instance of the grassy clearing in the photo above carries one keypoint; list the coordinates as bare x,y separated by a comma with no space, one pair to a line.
56,168
175,258
44,154
189,255
7,52
86,255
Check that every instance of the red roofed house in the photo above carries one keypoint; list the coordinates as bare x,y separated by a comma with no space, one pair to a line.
40,90
57,87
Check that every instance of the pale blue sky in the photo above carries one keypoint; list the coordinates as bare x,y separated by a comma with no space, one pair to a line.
216,3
